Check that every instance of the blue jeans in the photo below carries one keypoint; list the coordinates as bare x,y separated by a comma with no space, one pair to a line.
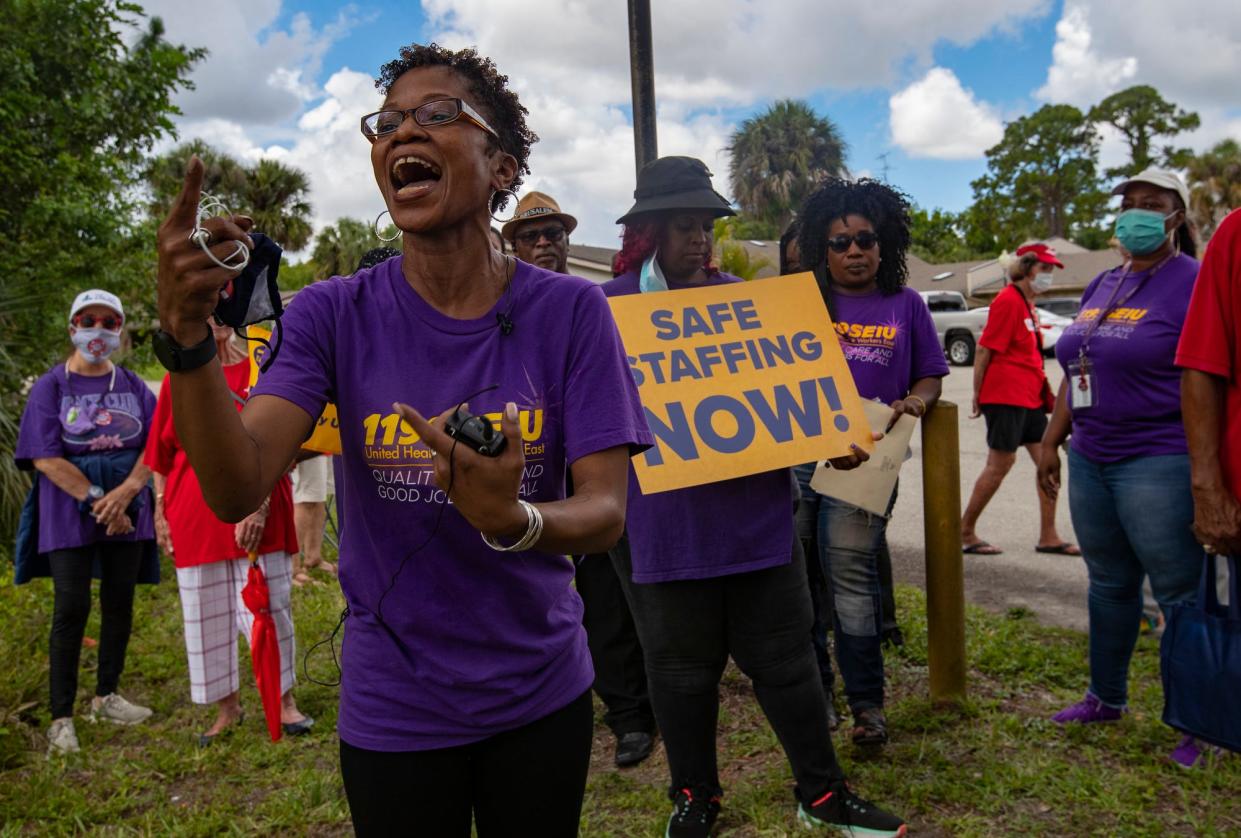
849,541
1132,519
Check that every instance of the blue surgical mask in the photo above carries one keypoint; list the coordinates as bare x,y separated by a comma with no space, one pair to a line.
1140,231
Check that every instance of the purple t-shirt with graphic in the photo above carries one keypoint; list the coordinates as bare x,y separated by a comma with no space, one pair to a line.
69,414
889,342
701,532
488,641
1137,387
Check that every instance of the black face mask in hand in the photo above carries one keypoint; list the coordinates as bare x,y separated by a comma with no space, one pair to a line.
253,296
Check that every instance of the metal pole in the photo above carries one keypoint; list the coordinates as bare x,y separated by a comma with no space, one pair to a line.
642,81
945,569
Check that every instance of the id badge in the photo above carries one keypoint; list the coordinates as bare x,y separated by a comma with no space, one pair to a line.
1081,385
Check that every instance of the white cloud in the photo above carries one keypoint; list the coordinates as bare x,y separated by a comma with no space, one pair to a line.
1079,75
938,118
254,73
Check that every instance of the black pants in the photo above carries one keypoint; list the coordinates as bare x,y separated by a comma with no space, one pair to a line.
528,781
71,578
762,618
620,673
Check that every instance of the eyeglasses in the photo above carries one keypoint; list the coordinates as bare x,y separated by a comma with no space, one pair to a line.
531,237
865,240
438,112
88,321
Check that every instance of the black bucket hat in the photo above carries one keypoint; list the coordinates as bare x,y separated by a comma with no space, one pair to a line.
675,184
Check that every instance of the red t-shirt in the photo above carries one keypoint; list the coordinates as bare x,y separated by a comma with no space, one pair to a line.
1209,340
1015,374
198,537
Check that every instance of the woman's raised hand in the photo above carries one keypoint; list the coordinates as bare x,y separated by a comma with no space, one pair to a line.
483,489
190,282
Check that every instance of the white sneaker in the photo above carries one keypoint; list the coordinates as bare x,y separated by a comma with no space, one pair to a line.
115,709
62,738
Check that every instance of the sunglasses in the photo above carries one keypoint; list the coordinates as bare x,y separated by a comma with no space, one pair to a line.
89,321
438,112
865,241
531,237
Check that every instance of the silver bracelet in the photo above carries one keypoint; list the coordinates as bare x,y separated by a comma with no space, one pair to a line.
534,529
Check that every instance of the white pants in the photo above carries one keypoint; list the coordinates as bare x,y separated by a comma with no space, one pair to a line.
313,480
214,614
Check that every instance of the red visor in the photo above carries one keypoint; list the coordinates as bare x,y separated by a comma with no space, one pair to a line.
1044,253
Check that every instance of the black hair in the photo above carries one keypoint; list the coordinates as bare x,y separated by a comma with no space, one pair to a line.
375,256
492,97
790,233
1186,235
886,208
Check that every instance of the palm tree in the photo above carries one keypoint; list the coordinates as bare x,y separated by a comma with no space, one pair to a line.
779,157
1215,184
275,196
224,176
340,246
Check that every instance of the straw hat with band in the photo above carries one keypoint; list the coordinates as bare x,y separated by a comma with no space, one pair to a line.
537,206
675,184
1163,178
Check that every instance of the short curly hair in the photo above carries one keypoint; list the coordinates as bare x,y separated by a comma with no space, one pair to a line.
886,208
491,93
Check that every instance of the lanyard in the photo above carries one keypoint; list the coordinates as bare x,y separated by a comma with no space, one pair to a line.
1112,305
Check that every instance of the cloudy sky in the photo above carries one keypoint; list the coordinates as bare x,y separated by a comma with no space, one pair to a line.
922,87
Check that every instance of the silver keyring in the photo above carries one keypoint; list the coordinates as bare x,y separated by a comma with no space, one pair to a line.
210,205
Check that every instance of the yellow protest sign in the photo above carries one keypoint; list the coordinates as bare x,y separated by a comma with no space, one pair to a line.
738,379
326,436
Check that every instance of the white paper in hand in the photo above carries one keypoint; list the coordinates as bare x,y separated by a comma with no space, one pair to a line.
870,485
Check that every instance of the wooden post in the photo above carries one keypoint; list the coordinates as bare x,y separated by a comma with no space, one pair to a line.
945,568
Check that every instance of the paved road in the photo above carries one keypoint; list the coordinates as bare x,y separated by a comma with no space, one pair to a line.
1053,587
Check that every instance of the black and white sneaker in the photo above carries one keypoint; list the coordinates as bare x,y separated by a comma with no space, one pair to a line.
842,810
694,814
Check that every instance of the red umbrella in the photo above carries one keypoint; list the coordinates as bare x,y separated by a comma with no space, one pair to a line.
264,646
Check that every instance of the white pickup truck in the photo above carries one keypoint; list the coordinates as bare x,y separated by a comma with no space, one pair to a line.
959,327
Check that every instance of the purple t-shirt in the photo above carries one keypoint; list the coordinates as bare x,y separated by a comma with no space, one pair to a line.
889,342
701,532
488,641
1137,409
69,414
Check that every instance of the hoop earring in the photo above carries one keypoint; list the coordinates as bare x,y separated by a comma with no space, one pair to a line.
375,228
514,215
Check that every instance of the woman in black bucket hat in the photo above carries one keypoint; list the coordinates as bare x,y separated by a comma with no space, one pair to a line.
715,571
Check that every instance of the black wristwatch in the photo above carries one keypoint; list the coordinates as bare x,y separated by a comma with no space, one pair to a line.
178,358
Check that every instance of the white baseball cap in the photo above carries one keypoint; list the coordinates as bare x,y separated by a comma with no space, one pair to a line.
96,297
1163,178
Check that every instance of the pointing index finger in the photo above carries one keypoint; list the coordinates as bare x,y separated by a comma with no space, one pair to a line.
184,211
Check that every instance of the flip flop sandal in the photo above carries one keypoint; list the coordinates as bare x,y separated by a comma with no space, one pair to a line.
1062,549
981,548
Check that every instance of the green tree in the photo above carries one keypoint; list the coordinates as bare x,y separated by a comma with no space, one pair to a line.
731,255
1042,177
779,157
340,246
276,197
273,194
86,89
1142,116
935,235
1215,184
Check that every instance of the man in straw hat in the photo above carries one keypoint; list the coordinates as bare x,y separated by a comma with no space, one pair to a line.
539,232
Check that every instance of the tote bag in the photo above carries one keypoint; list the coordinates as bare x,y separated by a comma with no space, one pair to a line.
1200,658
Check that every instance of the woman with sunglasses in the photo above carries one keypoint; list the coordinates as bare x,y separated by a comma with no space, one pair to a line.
854,235
83,431
465,692
714,571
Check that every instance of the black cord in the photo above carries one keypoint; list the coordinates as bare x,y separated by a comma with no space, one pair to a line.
439,516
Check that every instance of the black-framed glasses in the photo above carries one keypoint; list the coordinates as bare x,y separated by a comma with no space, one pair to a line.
110,322
531,237
865,240
428,115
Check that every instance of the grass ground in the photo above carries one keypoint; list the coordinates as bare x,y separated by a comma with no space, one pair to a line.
995,766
